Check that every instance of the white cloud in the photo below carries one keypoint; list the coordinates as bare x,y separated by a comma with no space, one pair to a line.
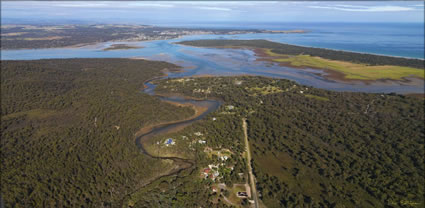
355,8
110,4
224,3
215,8
145,4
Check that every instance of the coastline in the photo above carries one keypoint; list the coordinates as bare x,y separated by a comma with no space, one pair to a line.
331,74
331,49
364,53
368,77
135,39
80,45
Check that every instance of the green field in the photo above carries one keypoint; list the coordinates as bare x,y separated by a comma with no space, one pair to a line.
350,70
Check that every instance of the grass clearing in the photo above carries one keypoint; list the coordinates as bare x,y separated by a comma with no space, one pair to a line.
219,153
270,53
352,70
31,114
276,165
233,193
317,97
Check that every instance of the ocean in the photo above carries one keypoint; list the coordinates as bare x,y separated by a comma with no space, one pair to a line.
393,39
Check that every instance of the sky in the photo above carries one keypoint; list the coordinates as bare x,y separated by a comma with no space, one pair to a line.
186,12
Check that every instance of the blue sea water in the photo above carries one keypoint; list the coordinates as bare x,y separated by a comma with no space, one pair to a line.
393,39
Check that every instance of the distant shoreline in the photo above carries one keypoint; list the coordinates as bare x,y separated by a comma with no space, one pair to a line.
16,37
208,43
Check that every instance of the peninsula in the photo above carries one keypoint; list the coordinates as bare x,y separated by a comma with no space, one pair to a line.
121,47
339,65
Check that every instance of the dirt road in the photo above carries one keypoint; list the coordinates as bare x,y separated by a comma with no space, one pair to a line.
248,157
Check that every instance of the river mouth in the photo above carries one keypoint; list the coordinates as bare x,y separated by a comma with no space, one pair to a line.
219,62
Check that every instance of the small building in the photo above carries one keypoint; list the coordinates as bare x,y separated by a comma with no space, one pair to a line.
198,133
202,141
238,82
169,141
230,107
214,119
212,166
242,194
207,170
206,173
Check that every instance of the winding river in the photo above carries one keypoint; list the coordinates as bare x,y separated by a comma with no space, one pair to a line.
211,105
181,163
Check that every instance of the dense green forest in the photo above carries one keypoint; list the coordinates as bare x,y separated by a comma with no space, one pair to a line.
68,140
281,48
67,130
318,148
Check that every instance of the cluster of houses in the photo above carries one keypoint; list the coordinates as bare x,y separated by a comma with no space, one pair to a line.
211,172
222,154
206,91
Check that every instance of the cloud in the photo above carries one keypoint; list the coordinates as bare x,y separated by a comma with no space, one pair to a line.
224,3
145,4
191,5
102,5
214,8
355,8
